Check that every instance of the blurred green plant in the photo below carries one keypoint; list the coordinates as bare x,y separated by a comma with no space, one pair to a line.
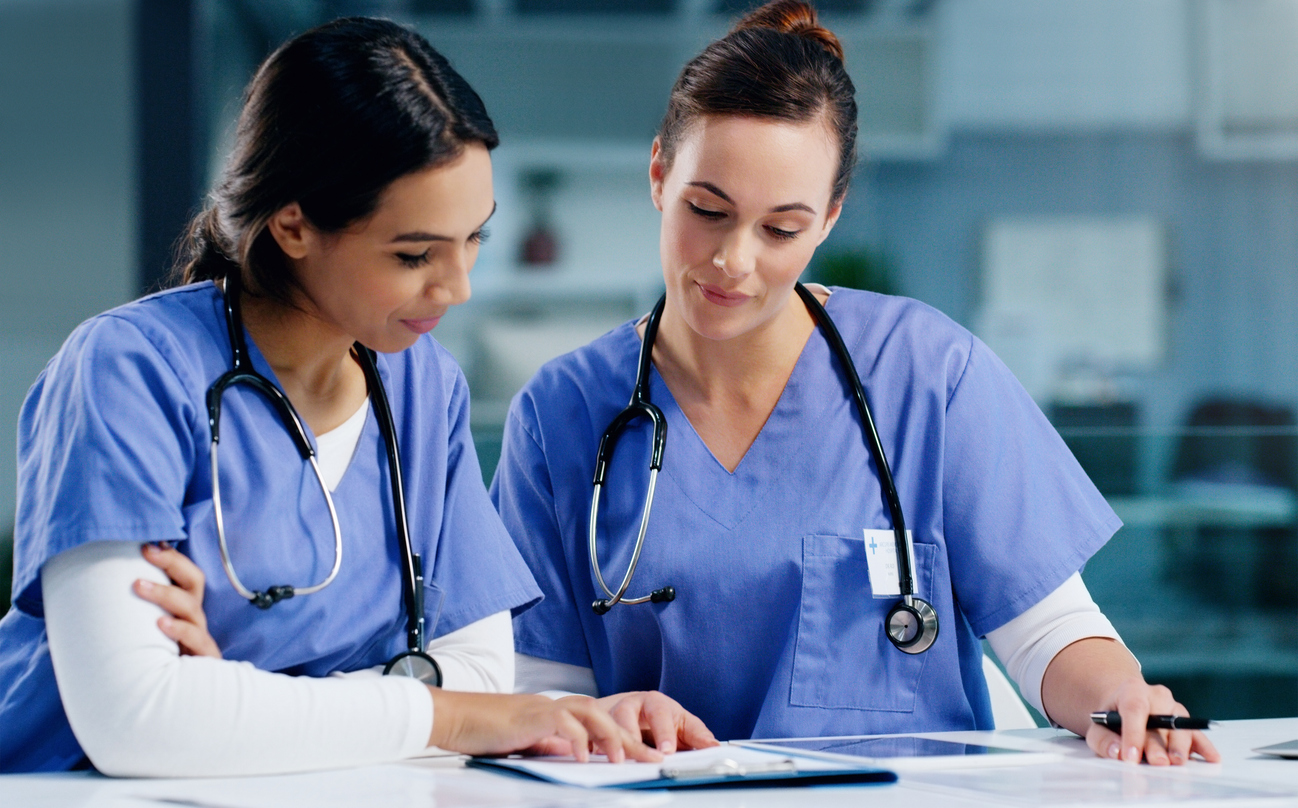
862,268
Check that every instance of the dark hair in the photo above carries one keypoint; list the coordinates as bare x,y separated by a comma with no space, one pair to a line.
329,121
777,62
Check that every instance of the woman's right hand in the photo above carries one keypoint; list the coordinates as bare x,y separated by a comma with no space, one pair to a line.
497,724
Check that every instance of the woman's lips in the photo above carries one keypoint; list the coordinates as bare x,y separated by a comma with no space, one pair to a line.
715,294
423,325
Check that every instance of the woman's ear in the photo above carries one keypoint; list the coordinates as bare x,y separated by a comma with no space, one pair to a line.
831,219
291,231
657,172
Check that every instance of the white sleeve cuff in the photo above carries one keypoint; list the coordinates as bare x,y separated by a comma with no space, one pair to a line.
553,679
1028,643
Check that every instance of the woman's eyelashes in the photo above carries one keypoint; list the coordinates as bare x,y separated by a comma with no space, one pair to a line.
778,233
710,215
411,260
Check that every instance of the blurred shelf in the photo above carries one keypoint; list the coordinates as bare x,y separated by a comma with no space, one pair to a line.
1211,504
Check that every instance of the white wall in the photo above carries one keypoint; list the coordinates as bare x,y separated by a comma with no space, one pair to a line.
67,206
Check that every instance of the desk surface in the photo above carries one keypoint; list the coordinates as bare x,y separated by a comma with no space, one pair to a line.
1077,778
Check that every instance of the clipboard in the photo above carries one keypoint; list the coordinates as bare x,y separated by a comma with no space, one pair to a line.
725,766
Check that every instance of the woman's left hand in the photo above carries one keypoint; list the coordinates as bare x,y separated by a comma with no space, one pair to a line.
1135,701
659,719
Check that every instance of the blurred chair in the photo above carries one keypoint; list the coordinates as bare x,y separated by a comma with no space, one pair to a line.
1008,710
1109,460
1255,565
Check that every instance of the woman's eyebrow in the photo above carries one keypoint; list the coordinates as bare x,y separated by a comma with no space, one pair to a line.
420,235
715,191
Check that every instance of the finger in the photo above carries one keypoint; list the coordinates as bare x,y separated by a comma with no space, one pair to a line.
1178,746
571,730
172,600
627,714
1203,747
192,640
1156,749
610,736
1104,742
662,725
1134,709
178,567
694,734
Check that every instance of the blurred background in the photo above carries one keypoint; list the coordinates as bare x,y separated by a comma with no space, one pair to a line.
1106,191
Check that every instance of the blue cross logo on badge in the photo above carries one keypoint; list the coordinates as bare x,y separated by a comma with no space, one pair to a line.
873,546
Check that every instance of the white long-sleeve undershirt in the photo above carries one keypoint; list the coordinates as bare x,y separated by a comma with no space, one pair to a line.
1026,645
139,708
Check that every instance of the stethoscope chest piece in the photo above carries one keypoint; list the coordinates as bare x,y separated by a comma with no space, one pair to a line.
912,625
416,665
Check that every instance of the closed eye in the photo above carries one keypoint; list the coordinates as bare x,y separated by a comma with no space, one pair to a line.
480,236
783,235
710,215
411,261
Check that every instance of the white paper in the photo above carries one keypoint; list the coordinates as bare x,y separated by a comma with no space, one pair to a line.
881,556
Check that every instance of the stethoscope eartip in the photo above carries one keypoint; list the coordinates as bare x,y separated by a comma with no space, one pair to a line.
601,606
665,595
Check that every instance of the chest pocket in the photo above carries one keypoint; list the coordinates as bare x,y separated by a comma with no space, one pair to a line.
842,658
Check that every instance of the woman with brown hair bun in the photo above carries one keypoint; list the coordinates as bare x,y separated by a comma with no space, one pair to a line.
855,489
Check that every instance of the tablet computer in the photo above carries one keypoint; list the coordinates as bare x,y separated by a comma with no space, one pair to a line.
901,751
1288,749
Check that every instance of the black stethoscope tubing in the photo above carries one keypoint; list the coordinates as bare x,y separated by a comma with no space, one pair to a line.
911,625
414,661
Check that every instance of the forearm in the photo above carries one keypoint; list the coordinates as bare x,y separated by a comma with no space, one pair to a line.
554,679
138,708
1081,677
479,657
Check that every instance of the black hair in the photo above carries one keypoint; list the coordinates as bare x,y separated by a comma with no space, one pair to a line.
330,119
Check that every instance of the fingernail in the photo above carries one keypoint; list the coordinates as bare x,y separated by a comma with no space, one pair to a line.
1177,757
1133,754
165,622
144,586
152,549
667,748
1114,749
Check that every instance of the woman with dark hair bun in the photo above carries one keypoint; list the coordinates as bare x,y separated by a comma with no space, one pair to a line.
854,489
344,227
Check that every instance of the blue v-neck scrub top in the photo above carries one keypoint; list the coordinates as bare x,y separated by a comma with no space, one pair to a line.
774,631
113,444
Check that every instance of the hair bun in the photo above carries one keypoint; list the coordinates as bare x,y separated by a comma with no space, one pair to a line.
792,17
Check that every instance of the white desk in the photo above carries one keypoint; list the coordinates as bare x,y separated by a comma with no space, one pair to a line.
1077,779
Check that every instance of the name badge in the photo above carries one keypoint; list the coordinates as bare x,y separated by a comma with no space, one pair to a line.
881,555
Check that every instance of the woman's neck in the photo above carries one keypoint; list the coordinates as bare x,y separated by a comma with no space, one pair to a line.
311,359
728,388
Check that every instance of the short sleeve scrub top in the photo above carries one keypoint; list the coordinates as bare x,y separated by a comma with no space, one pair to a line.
114,445
774,631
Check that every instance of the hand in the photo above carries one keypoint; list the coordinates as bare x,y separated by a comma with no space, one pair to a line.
496,724
660,719
1136,701
183,601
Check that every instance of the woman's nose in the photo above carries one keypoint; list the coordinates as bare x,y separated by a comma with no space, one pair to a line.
451,286
735,256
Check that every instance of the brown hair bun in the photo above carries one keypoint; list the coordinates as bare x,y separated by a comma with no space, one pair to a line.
792,17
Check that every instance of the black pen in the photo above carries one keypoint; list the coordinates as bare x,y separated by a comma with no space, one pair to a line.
1113,720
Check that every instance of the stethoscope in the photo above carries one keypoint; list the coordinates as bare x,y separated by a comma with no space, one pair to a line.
911,624
412,662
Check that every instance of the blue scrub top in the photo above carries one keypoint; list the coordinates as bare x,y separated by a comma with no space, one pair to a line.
113,444
774,631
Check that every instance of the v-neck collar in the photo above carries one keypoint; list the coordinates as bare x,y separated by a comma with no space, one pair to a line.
716,491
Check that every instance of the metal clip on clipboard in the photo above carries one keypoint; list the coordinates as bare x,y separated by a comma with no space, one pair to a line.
730,768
